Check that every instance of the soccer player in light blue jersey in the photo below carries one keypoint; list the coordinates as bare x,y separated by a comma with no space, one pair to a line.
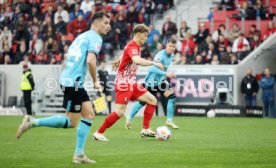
82,55
156,81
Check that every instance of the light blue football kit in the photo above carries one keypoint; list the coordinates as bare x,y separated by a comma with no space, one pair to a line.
155,78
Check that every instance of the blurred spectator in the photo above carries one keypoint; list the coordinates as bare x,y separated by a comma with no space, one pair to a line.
120,27
169,29
228,4
149,10
222,44
20,53
47,28
6,50
225,59
153,45
183,60
207,56
261,10
221,31
61,13
78,26
233,59
145,53
244,11
132,16
201,34
204,45
51,46
25,61
184,29
61,26
62,43
234,33
75,13
188,46
35,13
109,43
249,88
239,43
267,84
41,58
198,60
5,38
50,13
53,61
86,6
271,28
152,35
253,30
244,53
89,14
7,59
215,60
255,42
8,14
36,45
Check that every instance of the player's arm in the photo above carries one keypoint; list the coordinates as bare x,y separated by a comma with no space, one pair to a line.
91,62
143,62
116,63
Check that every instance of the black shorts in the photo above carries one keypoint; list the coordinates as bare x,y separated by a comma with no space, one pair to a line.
73,99
106,90
161,88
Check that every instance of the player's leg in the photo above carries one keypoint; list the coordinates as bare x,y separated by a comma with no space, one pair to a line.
143,95
123,95
137,106
83,129
56,121
109,121
170,108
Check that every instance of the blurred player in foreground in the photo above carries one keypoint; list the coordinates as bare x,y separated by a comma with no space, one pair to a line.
82,55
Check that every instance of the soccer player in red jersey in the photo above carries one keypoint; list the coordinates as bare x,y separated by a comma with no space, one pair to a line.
127,88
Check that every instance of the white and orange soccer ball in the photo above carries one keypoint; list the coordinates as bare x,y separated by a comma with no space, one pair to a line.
163,133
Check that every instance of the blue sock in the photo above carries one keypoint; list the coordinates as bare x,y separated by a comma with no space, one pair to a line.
56,121
170,109
137,106
82,134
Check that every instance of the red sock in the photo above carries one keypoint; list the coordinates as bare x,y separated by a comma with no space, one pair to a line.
148,113
108,122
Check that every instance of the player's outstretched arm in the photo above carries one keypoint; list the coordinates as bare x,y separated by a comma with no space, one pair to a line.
143,62
91,62
116,63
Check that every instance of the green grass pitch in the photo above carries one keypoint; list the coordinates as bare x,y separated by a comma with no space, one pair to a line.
200,142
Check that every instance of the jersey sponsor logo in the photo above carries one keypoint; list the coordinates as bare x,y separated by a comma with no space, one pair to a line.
77,107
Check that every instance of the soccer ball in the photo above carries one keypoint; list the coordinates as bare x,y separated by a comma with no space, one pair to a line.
163,133
211,114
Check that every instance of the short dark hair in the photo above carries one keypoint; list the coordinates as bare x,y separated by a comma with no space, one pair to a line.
140,28
172,40
98,15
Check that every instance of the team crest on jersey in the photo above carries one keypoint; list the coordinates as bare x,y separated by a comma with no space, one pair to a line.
77,107
134,51
158,60
98,46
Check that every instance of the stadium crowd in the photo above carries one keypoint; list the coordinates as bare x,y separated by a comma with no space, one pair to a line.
40,32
